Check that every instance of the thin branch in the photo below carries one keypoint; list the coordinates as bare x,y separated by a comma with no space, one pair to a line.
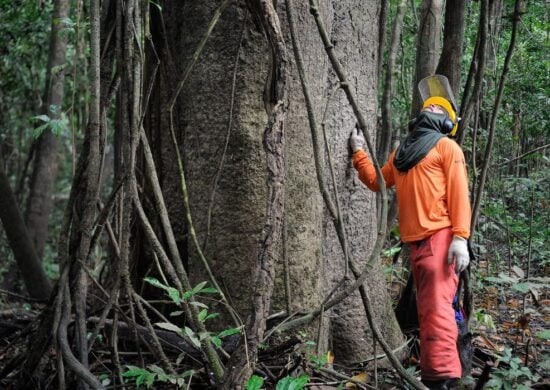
543,147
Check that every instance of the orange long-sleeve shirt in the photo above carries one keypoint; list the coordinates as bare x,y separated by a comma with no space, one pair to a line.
431,196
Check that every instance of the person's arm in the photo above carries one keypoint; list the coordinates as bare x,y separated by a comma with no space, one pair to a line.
458,201
367,173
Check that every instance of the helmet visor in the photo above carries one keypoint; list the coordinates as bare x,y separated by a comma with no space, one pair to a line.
436,85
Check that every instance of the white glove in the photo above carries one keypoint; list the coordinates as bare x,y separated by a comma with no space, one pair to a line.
459,249
356,140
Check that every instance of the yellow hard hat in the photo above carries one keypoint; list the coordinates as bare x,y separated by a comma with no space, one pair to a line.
440,101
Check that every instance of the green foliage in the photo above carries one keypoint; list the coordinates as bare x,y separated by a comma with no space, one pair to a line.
485,319
287,383
154,375
254,383
175,295
290,383
178,298
515,376
319,361
58,126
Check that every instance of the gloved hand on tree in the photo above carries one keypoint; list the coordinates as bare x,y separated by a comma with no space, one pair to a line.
459,249
356,140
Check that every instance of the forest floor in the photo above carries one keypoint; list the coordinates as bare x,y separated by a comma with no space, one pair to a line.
511,346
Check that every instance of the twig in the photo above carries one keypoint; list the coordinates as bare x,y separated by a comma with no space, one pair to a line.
505,163
381,356
22,297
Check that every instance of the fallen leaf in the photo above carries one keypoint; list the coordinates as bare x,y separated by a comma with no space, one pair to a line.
361,377
330,357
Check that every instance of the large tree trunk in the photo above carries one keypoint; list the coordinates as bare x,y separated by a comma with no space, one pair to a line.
45,165
220,120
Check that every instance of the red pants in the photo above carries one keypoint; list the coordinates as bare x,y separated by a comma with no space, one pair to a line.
436,284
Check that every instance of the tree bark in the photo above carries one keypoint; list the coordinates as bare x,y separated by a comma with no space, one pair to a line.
45,165
450,62
427,46
231,210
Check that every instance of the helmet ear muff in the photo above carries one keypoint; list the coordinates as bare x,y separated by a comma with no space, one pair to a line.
447,126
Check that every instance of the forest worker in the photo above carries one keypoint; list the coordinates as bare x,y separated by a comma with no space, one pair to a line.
429,174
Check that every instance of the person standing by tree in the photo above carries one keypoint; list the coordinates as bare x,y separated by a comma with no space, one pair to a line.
429,172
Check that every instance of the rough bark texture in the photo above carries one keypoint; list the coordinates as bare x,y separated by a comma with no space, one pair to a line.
450,62
427,46
238,211
45,165
354,32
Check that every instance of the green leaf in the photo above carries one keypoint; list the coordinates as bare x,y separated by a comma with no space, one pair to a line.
208,290
521,287
211,315
59,126
229,332
202,315
42,118
290,383
173,293
188,373
544,335
254,383
169,326
198,304
495,383
199,286
150,379
155,282
216,341
299,382
192,336
134,371
39,130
